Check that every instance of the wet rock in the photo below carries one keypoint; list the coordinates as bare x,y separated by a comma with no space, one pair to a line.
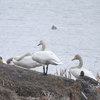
87,88
91,92
83,83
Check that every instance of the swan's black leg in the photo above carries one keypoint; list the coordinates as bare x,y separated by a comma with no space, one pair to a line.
70,75
46,70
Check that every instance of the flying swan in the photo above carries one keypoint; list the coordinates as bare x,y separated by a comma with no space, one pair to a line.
76,70
25,60
46,58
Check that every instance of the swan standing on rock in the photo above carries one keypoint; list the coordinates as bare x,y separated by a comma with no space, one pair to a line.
75,71
25,60
46,58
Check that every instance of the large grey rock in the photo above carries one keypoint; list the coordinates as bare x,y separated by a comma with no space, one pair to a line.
69,81
87,88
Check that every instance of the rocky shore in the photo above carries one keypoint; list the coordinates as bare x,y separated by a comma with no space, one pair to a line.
21,84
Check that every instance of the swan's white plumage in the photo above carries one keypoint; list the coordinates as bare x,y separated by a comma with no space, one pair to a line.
26,62
76,70
46,58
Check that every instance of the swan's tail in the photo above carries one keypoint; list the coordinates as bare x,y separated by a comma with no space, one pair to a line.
60,63
9,61
57,62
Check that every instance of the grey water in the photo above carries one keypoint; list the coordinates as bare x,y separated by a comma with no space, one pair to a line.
23,23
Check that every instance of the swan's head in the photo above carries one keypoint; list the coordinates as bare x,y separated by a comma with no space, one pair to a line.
1,59
41,42
77,57
82,73
28,54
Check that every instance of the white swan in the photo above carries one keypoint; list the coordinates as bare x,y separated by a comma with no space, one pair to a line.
75,71
25,60
46,58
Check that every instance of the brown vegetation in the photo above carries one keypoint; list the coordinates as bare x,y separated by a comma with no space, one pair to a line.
21,84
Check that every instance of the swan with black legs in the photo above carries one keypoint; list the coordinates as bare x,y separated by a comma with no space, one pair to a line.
46,58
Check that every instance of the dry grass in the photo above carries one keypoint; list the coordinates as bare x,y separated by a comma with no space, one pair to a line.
7,94
30,85
98,77
63,73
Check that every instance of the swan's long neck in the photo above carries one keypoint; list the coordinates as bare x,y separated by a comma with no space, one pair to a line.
80,64
43,47
21,57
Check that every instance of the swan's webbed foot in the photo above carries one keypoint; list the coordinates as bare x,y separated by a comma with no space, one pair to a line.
45,74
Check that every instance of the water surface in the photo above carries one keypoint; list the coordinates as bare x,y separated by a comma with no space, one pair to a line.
23,23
